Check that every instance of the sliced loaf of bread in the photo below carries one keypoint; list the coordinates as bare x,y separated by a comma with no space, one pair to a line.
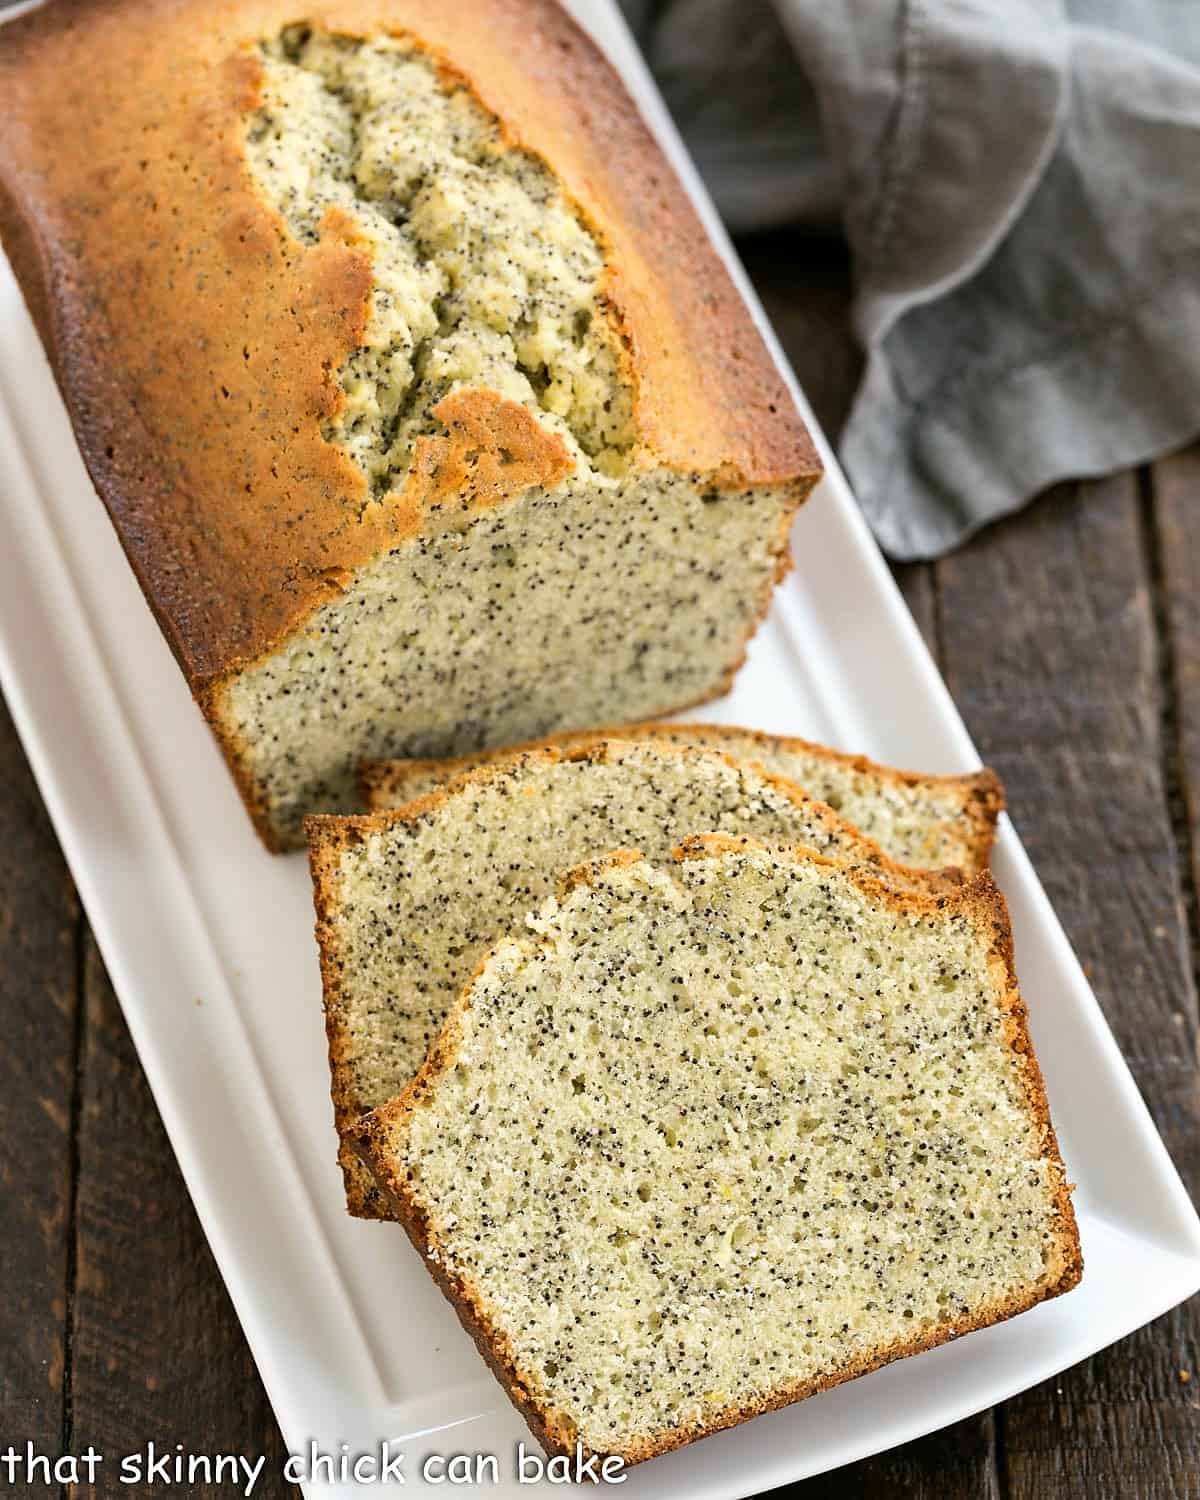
435,421
409,902
718,1137
941,822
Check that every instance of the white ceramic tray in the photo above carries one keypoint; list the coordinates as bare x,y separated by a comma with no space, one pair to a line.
209,943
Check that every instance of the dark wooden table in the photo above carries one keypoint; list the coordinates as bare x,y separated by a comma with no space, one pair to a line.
1070,637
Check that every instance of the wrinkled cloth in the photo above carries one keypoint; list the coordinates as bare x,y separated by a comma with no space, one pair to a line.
1019,185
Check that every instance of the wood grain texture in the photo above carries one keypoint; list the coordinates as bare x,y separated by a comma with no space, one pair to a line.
157,1352
39,918
1174,501
1055,655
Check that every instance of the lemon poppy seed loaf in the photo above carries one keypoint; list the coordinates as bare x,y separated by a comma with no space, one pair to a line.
408,902
714,1138
425,412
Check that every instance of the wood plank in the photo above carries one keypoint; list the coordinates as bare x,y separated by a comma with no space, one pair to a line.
1052,652
39,919
1175,512
157,1352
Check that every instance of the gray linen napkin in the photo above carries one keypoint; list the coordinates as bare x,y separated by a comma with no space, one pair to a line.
1019,183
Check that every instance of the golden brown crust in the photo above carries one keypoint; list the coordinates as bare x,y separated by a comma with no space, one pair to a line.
236,754
585,874
981,792
984,902
363,1199
328,836
493,449
197,343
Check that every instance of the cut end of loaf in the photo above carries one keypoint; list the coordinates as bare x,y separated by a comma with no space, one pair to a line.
565,607
716,1138
547,571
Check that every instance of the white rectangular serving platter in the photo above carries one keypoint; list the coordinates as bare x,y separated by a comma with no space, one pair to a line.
209,944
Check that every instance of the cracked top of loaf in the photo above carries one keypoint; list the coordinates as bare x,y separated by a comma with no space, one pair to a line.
281,350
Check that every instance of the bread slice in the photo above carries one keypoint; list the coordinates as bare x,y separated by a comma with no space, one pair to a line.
941,822
717,1138
409,902
433,420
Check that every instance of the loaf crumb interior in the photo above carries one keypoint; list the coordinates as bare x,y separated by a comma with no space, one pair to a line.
932,822
567,607
621,591
414,905
485,274
926,821
722,1133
